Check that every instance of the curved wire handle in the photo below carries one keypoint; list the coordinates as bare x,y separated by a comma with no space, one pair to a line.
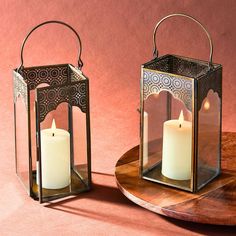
80,63
155,51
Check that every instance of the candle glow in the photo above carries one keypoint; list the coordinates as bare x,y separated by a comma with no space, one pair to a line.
156,95
206,105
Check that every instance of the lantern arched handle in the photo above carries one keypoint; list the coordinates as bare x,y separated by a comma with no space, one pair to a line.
155,51
80,63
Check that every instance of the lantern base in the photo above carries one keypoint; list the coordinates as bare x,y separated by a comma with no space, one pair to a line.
76,186
154,174
214,204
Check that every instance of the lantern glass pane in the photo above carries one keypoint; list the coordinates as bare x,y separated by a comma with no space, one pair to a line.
155,113
80,165
33,128
167,156
33,131
22,144
63,161
209,139
55,154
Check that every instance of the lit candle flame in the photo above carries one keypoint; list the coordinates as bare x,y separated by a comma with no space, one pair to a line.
53,128
181,118
206,105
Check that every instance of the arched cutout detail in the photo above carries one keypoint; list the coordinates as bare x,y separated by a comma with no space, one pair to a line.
155,82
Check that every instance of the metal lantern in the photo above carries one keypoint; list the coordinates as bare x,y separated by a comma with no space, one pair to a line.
180,113
52,127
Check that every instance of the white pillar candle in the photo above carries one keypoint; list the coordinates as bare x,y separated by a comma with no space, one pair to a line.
55,157
177,149
145,139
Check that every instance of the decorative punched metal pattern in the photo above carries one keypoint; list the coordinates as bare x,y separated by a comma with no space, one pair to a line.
75,74
188,68
210,81
49,98
52,75
20,88
162,64
179,66
155,82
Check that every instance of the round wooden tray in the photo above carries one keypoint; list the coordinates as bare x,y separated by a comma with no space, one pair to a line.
214,204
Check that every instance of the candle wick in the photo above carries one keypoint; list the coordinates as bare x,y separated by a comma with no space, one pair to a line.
180,125
53,134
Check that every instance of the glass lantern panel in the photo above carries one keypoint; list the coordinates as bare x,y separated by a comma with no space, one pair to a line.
155,113
63,160
80,166
55,154
209,139
167,155
33,127
22,142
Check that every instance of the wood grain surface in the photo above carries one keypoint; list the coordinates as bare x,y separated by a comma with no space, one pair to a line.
214,204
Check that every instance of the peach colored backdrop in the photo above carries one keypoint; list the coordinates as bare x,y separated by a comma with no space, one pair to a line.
117,39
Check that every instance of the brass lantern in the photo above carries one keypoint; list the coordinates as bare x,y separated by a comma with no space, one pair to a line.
52,127
180,113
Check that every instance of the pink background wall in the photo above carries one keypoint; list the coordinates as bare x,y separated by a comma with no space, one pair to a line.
117,39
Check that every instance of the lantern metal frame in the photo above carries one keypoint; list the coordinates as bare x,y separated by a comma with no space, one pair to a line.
68,84
203,76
